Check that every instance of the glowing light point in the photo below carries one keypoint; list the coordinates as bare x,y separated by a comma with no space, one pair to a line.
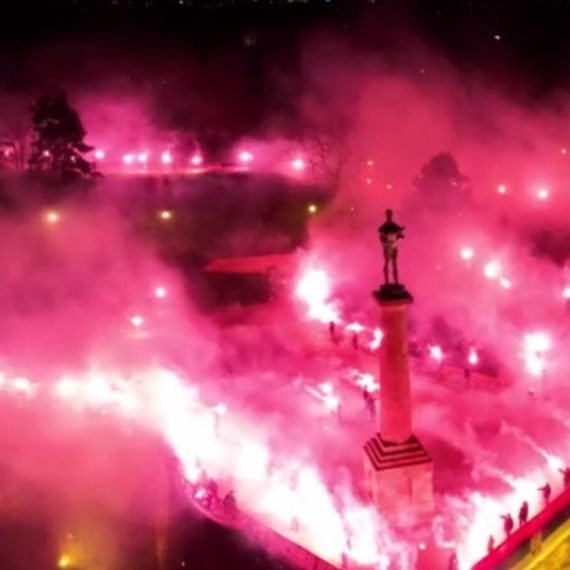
369,181
166,158
128,158
246,157
197,160
165,215
298,164
332,403
65,561
564,151
542,194
467,253
66,388
52,217
436,353
160,292
220,409
473,358
137,321
312,208
375,342
492,270
23,385
143,157
566,292
355,328
370,163
537,342
99,154
505,283
502,189
46,153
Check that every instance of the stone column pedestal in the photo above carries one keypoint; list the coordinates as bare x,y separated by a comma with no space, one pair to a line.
398,470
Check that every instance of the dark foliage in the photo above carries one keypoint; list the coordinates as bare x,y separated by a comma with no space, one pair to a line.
58,153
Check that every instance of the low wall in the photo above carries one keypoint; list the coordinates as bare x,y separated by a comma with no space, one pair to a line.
257,532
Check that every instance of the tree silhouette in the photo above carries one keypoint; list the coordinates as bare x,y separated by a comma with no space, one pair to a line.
440,184
59,149
15,132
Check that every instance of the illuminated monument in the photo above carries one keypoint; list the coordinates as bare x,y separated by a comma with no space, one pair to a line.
398,470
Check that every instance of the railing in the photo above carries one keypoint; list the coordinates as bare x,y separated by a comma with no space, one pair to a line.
522,541
278,545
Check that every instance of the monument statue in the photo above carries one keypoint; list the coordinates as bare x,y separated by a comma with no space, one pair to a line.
390,234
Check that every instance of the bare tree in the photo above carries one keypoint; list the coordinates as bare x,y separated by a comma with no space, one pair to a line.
15,133
326,153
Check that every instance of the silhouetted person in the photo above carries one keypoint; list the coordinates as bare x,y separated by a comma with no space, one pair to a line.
508,524
332,331
230,504
355,343
390,233
546,492
523,514
294,524
213,488
565,476
490,544
467,376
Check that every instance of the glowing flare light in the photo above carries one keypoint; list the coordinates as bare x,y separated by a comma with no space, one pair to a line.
492,270
298,164
436,353
197,160
314,289
467,253
246,157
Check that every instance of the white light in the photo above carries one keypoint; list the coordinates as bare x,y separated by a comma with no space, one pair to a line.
137,321
502,189
492,270
467,253
245,156
197,160
52,217
298,164
99,154
566,293
542,194
166,158
143,157
128,158
160,292
505,283
436,352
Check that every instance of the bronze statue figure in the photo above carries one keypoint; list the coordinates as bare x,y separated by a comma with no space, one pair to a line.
390,233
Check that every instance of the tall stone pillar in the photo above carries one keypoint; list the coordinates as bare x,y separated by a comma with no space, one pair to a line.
395,402
398,470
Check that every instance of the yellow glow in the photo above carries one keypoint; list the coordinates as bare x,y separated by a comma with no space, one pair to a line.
165,215
312,208
64,561
52,217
